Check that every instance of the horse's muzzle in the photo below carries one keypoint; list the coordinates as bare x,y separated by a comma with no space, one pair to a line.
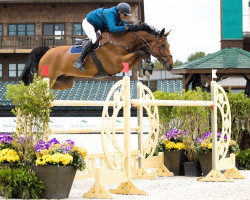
167,64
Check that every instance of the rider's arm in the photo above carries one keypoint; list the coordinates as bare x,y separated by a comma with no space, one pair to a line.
113,28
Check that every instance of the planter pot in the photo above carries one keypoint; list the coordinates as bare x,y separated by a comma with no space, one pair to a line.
174,160
192,169
205,162
57,180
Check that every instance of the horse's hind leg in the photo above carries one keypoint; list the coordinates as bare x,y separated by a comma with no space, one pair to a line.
63,82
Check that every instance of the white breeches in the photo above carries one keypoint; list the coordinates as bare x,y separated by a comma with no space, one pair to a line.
89,29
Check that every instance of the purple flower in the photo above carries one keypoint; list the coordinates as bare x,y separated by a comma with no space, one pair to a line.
175,135
70,142
53,141
6,138
209,135
65,147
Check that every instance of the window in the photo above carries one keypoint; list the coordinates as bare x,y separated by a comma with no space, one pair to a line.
1,30
15,69
53,29
130,73
1,70
77,29
21,29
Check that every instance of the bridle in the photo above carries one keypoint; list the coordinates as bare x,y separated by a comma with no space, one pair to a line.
162,58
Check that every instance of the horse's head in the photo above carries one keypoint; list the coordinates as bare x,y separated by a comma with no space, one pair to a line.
161,50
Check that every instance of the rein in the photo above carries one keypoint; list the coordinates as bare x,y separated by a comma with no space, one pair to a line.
115,43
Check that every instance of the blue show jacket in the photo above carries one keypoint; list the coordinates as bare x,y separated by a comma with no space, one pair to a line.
106,20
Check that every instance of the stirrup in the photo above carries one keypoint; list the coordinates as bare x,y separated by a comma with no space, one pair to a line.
80,68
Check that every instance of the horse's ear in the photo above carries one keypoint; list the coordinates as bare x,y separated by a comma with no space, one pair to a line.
162,32
166,34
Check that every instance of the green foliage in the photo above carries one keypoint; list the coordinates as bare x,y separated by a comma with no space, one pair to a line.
197,119
32,108
8,185
177,63
16,180
78,161
29,183
196,56
244,158
240,115
191,119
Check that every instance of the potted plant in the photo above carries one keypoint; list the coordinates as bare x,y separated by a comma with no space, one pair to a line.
172,145
30,187
32,109
20,183
56,165
192,166
203,147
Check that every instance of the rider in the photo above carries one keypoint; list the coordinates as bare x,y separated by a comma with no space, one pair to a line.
103,19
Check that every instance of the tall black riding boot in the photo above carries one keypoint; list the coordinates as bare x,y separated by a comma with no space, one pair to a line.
80,61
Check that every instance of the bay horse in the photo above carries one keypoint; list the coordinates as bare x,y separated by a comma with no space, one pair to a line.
114,49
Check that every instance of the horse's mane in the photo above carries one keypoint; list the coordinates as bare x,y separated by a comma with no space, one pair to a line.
144,27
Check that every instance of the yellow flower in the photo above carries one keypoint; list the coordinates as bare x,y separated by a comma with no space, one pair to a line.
204,144
45,152
9,155
209,146
232,143
56,159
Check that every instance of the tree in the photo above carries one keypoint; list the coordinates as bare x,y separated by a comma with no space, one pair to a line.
177,63
195,56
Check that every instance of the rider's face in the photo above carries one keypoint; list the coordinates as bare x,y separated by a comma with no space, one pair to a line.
122,16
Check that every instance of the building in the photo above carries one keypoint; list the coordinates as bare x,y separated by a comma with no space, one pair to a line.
27,24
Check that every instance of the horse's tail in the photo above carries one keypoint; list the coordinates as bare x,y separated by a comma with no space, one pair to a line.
32,64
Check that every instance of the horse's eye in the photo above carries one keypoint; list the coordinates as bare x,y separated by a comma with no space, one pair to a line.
163,45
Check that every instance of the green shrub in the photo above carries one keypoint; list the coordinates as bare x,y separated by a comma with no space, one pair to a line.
192,119
244,159
14,181
197,119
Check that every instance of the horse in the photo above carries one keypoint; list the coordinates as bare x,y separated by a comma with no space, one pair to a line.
114,49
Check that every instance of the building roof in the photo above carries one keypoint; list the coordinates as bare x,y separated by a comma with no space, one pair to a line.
222,60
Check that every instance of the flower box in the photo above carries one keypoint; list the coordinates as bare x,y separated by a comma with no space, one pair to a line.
58,180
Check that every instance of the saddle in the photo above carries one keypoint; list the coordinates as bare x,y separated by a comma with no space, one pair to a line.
77,48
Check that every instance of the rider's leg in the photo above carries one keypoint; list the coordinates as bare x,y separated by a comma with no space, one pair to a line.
90,32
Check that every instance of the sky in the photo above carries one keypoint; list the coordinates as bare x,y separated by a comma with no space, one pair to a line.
194,24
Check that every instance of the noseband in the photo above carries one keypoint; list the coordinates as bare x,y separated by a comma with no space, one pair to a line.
162,58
